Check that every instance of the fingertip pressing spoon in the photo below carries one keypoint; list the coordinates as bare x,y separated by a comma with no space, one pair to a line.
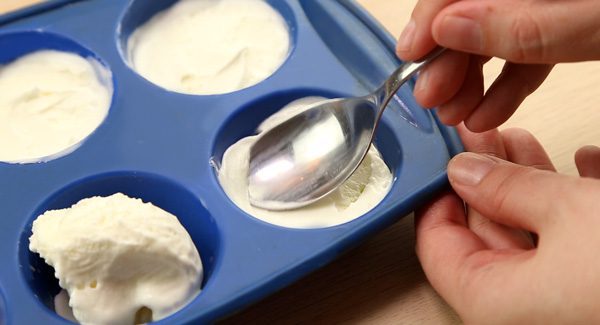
309,155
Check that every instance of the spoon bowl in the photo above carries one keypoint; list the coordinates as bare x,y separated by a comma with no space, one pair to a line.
309,155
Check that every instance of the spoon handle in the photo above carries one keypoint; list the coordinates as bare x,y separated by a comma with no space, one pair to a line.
406,70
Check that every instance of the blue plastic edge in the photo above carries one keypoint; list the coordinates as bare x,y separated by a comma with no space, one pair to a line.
449,133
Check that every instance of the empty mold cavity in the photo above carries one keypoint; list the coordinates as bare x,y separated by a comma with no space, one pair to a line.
163,193
201,61
67,99
340,207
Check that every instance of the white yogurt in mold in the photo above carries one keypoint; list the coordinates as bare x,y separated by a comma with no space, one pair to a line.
122,261
207,47
358,195
50,101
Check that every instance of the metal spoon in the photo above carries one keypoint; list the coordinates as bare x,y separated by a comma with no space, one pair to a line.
306,157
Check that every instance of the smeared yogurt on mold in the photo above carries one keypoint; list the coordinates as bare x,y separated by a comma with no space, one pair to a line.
210,46
122,261
49,102
357,196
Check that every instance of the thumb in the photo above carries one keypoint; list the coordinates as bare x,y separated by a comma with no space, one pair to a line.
519,196
522,31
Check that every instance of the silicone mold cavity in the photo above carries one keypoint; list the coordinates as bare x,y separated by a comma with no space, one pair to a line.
17,44
245,122
162,192
139,12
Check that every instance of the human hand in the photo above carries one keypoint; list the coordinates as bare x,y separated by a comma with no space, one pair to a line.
531,35
480,259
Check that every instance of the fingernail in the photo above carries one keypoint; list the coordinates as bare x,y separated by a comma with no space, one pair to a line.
406,37
460,33
469,168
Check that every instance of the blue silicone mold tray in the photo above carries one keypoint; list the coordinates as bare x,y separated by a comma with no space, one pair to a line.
158,146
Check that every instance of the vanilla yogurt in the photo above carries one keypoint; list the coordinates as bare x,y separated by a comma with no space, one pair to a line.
210,46
369,184
120,260
50,101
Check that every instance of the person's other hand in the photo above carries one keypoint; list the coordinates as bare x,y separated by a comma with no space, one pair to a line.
531,35
481,258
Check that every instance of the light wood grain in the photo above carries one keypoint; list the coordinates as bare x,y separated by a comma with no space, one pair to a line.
8,5
381,281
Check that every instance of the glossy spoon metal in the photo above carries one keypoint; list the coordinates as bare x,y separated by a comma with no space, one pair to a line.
309,155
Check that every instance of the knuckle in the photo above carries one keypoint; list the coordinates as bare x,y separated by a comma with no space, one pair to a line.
528,37
479,225
518,134
524,138
502,194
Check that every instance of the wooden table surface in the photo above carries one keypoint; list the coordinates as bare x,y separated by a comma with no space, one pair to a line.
381,281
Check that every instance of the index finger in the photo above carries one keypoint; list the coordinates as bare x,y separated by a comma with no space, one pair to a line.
416,40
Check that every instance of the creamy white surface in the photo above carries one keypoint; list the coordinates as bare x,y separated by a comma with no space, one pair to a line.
210,46
61,306
49,102
357,196
115,255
